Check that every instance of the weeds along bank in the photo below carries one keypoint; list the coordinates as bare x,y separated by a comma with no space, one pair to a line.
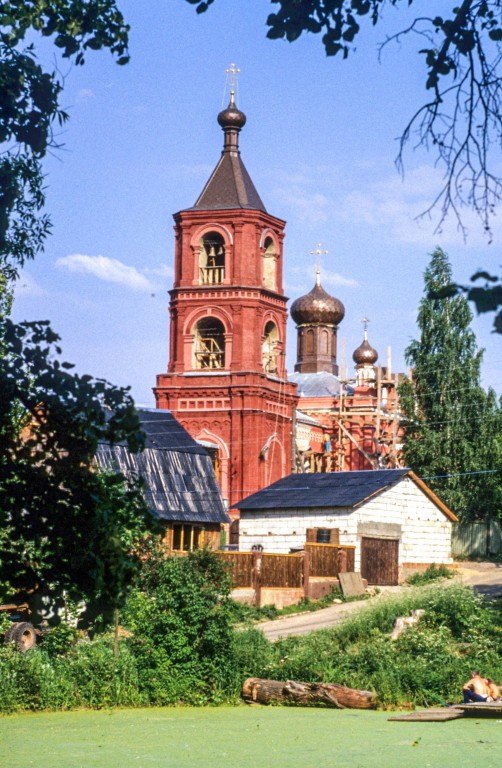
182,648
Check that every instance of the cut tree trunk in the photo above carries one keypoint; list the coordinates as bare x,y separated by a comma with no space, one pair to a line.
261,691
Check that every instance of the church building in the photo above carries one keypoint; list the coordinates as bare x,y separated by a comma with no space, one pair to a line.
226,381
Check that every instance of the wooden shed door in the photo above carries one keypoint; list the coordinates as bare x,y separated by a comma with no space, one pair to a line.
379,561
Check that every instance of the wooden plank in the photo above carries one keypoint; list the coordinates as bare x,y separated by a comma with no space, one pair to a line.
351,584
481,709
430,715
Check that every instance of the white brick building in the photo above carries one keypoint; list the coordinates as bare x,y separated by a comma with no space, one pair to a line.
394,521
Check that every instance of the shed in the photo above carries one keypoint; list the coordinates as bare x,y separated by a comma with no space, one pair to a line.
393,520
180,483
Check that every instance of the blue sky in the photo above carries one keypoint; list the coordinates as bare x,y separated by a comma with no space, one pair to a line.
320,144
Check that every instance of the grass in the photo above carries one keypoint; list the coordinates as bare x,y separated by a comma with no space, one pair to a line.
242,737
432,573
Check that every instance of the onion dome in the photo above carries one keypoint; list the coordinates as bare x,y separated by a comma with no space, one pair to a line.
365,354
317,307
231,117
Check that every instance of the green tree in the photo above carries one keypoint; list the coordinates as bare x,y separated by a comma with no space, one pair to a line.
63,526
453,428
461,118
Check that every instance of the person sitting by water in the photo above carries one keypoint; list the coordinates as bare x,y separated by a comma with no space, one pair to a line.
476,689
493,690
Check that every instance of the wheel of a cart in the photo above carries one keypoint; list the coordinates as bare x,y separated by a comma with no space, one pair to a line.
8,634
24,636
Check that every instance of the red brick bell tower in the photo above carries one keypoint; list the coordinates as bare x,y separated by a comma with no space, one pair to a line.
226,381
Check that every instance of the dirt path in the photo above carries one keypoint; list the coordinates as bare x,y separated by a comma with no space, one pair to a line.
485,578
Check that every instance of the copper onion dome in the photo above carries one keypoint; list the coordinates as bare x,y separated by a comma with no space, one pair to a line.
365,354
231,117
317,307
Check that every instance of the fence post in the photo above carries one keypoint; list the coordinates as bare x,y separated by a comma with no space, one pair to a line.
306,574
257,578
342,561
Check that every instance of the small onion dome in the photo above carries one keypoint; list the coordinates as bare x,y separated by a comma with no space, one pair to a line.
317,307
365,354
231,117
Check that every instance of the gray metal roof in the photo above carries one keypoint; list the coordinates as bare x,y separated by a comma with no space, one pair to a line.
304,418
322,384
180,484
229,186
322,489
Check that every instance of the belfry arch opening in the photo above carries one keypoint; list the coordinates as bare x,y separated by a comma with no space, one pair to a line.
270,348
269,264
212,259
209,344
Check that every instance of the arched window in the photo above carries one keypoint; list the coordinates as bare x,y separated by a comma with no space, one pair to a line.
269,264
209,344
323,342
309,342
212,259
270,348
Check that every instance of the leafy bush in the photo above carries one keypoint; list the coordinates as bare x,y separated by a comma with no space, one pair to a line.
88,676
432,573
60,639
181,620
426,665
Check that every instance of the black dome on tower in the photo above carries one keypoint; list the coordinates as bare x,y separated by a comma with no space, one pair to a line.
231,117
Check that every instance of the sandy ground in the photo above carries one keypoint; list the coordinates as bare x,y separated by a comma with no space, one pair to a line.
485,578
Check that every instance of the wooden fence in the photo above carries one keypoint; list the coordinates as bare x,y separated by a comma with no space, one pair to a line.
476,539
253,570
330,559
282,570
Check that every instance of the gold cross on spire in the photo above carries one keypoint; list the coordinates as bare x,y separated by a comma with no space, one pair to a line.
318,252
365,322
232,71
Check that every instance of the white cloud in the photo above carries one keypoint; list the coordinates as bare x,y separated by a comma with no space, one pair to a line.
165,270
394,205
26,286
334,278
305,205
107,269
303,276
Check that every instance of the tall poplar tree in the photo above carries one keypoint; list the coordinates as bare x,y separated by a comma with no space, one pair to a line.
453,427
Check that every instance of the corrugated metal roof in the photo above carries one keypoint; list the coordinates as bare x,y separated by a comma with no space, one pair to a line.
162,430
180,484
322,489
322,384
304,418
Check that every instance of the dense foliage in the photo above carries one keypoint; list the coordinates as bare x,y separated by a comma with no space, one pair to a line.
183,641
62,525
180,647
453,428
427,665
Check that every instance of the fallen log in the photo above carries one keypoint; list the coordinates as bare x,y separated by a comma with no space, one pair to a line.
262,691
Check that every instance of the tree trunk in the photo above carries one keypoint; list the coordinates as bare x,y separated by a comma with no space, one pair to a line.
261,691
